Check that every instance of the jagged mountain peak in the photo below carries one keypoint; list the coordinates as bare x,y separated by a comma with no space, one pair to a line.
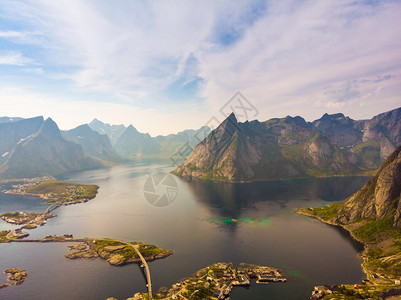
50,128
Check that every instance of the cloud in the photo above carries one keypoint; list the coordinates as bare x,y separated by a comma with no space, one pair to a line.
290,57
286,57
10,34
13,58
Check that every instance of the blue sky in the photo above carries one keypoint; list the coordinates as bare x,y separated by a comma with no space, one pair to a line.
165,66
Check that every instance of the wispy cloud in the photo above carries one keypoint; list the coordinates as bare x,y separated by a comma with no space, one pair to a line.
13,58
288,57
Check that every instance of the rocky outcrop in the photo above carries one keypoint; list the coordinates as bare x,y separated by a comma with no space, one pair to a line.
16,276
115,252
380,197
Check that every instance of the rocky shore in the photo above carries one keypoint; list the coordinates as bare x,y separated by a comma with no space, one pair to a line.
23,218
116,252
15,276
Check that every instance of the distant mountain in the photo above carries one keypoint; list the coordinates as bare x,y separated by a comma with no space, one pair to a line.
8,119
130,143
93,143
173,143
14,132
370,140
45,153
293,148
112,131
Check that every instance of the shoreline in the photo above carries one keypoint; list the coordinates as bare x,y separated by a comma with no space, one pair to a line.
361,254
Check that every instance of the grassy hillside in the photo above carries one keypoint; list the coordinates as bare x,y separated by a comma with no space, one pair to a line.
63,189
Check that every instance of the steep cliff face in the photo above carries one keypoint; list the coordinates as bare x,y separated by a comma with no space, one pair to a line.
13,132
292,148
278,148
380,197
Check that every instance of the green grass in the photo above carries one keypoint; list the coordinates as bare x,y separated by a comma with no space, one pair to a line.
362,292
327,213
60,187
372,228
3,235
362,147
129,252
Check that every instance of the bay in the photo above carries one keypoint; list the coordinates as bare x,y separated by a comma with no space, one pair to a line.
207,222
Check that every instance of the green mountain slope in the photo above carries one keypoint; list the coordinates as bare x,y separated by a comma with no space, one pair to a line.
373,216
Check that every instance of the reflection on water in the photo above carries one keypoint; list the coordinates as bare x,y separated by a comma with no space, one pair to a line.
207,223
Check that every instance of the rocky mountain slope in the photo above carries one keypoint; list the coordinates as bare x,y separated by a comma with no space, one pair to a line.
14,132
45,153
8,119
379,198
93,143
292,148
112,131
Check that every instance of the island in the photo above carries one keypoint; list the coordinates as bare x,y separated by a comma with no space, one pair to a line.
16,276
29,219
56,193
116,252
216,282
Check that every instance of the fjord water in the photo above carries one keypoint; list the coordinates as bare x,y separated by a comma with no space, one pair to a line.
208,222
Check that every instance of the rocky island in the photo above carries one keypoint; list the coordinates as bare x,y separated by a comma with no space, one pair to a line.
16,276
116,252
26,218
373,217
216,282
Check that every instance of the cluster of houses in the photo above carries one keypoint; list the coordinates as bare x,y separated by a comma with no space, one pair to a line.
222,277
72,195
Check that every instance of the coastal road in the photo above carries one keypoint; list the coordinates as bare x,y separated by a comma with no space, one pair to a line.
149,285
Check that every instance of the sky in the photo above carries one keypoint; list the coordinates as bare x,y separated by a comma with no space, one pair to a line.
165,66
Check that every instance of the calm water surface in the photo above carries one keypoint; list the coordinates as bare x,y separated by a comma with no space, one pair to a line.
207,223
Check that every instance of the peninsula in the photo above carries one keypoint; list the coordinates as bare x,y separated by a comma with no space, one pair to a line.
56,193
373,217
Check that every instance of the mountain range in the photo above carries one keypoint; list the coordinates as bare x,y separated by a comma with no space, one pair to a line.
93,143
36,147
40,151
130,143
290,147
